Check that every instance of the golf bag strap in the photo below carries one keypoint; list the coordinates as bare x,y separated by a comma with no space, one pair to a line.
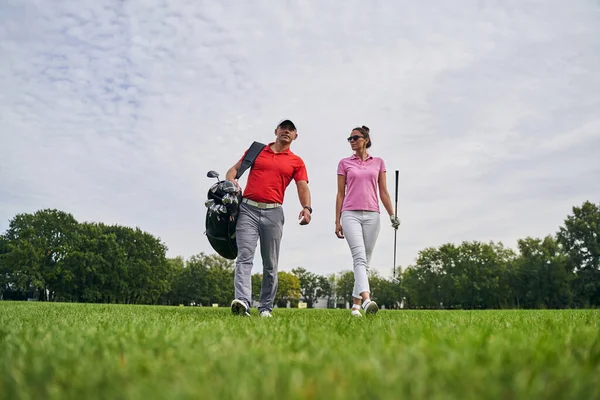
249,158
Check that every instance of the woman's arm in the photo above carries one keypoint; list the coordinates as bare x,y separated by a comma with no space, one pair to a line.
339,200
384,194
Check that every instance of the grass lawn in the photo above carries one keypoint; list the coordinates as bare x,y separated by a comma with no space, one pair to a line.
91,351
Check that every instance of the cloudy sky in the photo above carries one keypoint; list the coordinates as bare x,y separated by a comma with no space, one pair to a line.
115,110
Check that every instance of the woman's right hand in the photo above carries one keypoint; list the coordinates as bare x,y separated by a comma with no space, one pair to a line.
338,230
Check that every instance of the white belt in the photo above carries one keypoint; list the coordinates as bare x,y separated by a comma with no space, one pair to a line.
259,204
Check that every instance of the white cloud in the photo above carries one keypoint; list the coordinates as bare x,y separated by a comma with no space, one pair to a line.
114,111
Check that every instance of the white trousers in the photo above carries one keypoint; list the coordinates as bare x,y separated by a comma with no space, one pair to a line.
361,229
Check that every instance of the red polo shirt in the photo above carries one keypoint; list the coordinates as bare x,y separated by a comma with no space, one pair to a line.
272,173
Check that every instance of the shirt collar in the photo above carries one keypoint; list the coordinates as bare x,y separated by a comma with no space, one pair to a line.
355,157
268,148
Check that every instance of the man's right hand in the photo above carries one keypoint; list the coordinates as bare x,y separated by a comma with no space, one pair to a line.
235,182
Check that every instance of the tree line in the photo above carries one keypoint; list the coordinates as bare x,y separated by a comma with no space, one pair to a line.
50,256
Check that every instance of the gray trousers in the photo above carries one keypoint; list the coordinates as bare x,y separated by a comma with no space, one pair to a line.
254,223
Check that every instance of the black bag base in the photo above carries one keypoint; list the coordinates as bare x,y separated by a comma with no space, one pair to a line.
224,247
220,232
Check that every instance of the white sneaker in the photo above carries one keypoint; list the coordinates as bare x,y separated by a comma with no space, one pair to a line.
238,307
266,314
370,307
356,313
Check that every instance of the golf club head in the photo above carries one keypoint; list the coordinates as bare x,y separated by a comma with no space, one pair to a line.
213,174
395,281
208,203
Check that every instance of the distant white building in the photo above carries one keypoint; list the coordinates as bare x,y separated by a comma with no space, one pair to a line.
322,302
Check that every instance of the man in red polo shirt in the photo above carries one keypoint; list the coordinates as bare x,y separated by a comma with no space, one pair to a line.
261,216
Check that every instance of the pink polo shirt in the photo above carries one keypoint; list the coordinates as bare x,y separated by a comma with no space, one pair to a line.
361,182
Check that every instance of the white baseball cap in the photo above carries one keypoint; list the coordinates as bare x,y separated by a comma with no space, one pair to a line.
286,120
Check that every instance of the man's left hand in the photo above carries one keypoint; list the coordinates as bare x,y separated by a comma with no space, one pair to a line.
304,217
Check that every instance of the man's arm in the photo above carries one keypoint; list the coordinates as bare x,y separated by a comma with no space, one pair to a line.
303,193
304,197
232,172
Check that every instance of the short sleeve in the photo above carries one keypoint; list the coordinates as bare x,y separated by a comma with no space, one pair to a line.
382,165
300,173
340,169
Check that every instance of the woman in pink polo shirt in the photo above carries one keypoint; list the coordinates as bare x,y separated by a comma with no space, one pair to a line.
357,215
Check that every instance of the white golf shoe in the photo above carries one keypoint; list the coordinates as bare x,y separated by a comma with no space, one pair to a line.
266,314
370,307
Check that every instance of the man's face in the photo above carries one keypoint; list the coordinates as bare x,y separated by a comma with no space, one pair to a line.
286,133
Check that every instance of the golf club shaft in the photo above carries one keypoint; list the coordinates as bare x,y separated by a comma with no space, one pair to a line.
395,214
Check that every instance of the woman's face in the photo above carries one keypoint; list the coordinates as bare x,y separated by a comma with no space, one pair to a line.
357,140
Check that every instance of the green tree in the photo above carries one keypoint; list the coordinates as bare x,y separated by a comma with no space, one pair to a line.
344,286
4,268
176,269
580,237
38,245
256,284
411,281
384,292
115,264
425,281
483,268
327,285
205,279
145,257
193,283
471,275
220,279
311,287
544,274
89,265
288,289
50,253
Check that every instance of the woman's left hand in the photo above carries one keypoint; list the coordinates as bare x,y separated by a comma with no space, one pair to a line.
395,221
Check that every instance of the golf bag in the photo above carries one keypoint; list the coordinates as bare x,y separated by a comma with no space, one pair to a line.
222,208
